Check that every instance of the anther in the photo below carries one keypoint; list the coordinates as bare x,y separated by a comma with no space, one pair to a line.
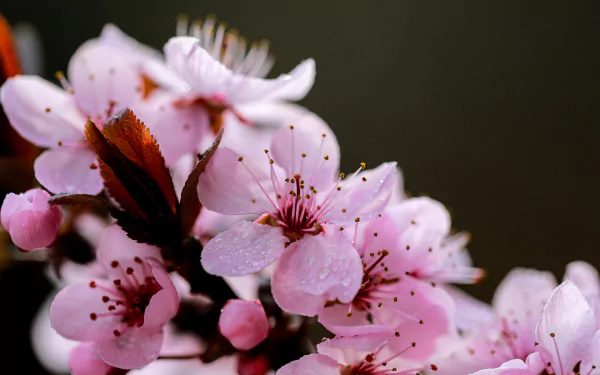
240,158
60,143
342,175
137,260
93,166
421,321
291,127
93,316
111,308
433,367
397,334
129,270
395,299
92,284
303,155
105,299
114,264
324,135
380,304
414,344
552,334
412,292
117,282
326,157
47,109
116,333
363,165
357,220
364,179
407,247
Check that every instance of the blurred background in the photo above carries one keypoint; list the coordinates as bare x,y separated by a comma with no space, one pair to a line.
490,107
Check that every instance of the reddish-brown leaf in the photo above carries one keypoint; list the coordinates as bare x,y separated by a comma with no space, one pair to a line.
135,141
190,205
72,199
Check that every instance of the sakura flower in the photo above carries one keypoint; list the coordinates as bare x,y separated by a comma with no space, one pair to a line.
244,323
214,81
368,350
102,83
123,316
30,220
391,290
297,196
517,307
566,333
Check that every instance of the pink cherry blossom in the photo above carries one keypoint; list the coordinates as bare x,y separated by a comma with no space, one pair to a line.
31,222
85,360
124,315
509,334
244,323
101,84
369,350
214,83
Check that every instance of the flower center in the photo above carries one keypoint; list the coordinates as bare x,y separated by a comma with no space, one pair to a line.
129,297
215,107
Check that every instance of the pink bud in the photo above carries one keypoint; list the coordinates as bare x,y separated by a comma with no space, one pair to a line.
30,220
244,323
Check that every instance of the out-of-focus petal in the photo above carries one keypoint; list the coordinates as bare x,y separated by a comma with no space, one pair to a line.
163,305
85,360
229,188
565,329
68,170
135,349
41,112
244,323
312,364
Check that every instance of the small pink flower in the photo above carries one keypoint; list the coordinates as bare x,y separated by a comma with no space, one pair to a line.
30,220
506,332
244,323
368,350
102,83
299,196
124,315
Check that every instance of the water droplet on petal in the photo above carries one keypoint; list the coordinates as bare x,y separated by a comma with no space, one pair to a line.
323,273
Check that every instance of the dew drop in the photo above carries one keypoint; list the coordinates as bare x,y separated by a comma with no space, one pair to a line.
323,273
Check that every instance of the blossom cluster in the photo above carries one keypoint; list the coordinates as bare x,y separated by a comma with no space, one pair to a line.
220,230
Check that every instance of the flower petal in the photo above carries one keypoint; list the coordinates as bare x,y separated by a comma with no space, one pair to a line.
327,264
67,170
565,329
227,187
364,195
309,149
520,299
177,129
586,278
84,359
208,76
163,305
72,308
12,204
244,248
136,348
104,80
512,367
312,364
423,211
114,245
362,338
41,112
287,291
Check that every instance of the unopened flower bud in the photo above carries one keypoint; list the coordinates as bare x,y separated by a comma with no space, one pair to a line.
244,323
31,222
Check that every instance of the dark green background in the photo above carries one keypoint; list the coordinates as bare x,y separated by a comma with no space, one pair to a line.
488,106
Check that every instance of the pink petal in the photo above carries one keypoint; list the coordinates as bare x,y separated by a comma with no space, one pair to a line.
244,323
113,36
41,112
12,204
312,364
72,308
423,211
103,79
32,230
362,338
586,278
228,188
287,291
565,329
520,299
424,335
67,170
364,195
275,114
244,248
178,130
163,305
513,367
328,265
471,314
337,315
211,223
85,360
320,164
114,245
135,349
590,365
208,76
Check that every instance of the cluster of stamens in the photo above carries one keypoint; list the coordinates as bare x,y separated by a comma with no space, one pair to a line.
228,47
297,204
129,297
